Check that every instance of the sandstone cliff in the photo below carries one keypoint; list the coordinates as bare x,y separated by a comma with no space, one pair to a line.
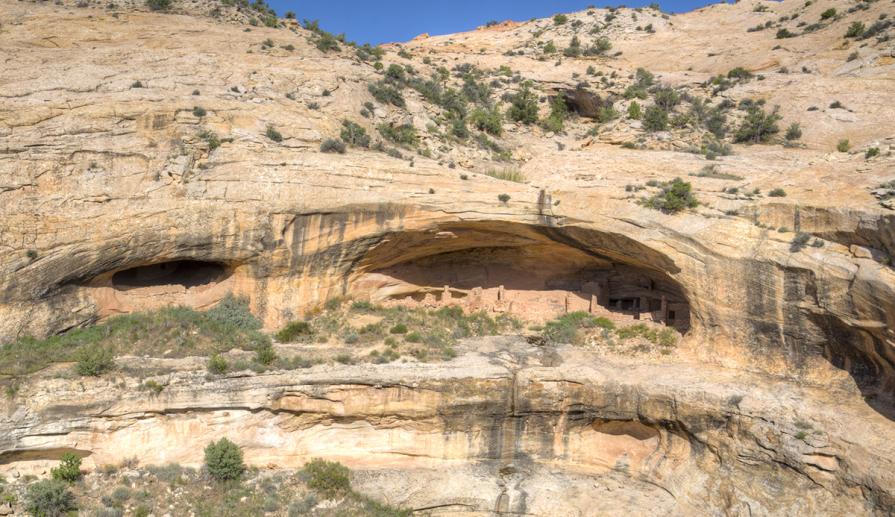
170,158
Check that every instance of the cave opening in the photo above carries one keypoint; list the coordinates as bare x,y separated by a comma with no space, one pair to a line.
185,273
522,273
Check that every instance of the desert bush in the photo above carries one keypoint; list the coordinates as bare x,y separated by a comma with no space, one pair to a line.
829,13
354,134
799,242
560,19
326,42
224,460
294,331
69,468
273,134
332,145
871,153
777,192
856,29
739,73
655,119
843,146
488,120
634,111
558,114
793,132
152,386
674,196
503,198
217,364
566,328
199,111
211,139
758,126
158,5
404,134
386,94
507,174
785,33
666,98
234,311
524,106
327,478
49,498
265,355
400,328
94,360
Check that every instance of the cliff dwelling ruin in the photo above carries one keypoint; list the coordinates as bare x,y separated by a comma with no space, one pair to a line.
501,269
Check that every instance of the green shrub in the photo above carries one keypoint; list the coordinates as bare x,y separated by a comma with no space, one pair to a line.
549,47
634,111
404,134
524,106
799,242
332,145
386,94
666,98
574,48
739,73
487,120
49,498
211,139
326,42
233,311
328,478
400,328
777,192
758,126
560,19
503,198
265,355
199,111
152,386
94,360
565,329
293,331
121,494
785,33
674,196
793,132
69,468
655,119
354,134
224,460
273,134
507,174
558,114
158,5
829,13
871,153
396,74
843,146
217,364
855,30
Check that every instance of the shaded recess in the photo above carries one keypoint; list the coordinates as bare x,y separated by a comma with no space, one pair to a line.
531,272
186,273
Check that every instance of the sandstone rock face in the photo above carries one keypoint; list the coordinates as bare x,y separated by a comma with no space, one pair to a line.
535,430
117,194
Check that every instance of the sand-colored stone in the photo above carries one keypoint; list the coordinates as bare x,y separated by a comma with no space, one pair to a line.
99,177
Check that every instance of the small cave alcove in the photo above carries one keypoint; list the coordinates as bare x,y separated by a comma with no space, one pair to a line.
522,273
185,273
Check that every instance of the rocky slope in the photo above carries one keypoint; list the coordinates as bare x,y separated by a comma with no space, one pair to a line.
170,158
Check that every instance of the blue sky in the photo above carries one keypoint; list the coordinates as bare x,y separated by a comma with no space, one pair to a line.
380,21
